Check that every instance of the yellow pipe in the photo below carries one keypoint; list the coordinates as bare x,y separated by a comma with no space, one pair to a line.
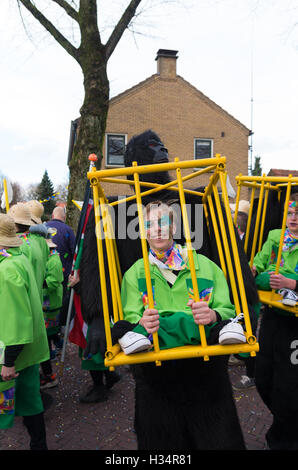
156,185
156,188
108,242
145,254
283,228
190,252
277,179
237,203
158,167
255,185
206,217
217,237
6,194
101,265
227,251
263,218
117,268
256,228
212,182
249,219
184,352
236,259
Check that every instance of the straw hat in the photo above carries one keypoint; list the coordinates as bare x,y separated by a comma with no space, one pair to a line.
50,243
242,207
8,236
37,210
21,214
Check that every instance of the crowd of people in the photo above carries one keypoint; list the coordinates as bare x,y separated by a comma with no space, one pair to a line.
35,280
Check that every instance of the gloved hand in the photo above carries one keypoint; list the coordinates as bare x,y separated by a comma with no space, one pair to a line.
96,339
39,229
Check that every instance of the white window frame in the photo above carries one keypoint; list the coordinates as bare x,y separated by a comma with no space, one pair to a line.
206,140
118,134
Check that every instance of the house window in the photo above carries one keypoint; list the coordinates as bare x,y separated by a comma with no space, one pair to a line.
115,148
203,148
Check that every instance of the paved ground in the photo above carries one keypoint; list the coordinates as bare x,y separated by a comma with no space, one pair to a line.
109,425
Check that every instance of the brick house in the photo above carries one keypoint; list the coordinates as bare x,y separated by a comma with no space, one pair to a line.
189,123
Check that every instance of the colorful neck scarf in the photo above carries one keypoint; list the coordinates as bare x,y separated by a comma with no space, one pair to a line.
290,241
24,236
170,259
4,253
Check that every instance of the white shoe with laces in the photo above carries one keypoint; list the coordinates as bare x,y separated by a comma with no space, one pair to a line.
133,342
290,297
232,333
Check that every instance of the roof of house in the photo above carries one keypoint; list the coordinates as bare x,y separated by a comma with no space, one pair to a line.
277,172
204,98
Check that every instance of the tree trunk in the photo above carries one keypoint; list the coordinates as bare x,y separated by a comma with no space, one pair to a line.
90,133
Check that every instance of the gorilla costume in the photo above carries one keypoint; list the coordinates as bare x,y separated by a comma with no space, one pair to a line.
182,404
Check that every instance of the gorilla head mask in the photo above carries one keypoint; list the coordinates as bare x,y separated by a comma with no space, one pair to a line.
147,149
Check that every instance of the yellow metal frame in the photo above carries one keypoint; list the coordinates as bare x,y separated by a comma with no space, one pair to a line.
114,356
265,184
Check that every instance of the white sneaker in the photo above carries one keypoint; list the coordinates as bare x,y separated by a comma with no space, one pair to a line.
232,333
133,342
289,297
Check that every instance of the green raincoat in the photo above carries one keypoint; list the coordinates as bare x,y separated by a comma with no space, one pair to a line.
21,316
36,249
213,288
52,294
265,261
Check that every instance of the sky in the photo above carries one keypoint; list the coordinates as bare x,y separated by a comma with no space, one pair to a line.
242,54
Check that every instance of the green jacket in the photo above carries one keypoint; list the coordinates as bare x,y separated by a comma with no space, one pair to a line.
265,261
21,316
212,284
36,249
52,294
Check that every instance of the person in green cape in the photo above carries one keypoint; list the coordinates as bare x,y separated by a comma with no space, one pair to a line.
276,372
94,363
52,303
34,246
23,338
176,315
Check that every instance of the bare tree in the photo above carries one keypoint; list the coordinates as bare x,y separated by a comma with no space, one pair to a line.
92,56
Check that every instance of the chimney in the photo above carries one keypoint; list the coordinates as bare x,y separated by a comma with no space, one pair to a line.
166,63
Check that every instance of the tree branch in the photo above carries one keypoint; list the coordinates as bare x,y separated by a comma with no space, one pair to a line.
121,27
68,8
50,28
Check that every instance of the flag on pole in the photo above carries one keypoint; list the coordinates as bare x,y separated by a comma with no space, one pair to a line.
78,328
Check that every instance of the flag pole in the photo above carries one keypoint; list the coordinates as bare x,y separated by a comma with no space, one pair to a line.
6,194
92,158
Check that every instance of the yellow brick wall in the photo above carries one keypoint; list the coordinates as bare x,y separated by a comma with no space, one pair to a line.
178,113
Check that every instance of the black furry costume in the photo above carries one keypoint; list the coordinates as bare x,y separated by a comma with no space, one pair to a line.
183,404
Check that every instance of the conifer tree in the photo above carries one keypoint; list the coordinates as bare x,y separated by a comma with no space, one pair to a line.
257,170
45,192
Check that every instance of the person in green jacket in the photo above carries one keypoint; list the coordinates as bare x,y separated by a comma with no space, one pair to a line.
52,303
34,246
37,230
23,338
276,373
175,315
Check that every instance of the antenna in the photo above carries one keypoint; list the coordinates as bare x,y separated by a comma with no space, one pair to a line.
250,165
